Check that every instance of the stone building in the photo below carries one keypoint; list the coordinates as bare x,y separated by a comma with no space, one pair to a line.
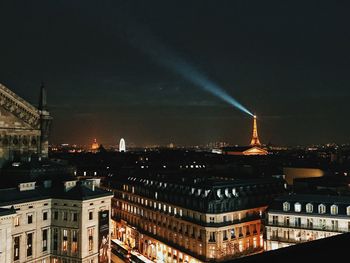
46,215
24,129
55,224
298,218
197,220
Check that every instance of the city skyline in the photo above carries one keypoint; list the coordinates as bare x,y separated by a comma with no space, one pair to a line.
285,62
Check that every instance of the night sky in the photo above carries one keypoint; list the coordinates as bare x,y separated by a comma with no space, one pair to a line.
288,61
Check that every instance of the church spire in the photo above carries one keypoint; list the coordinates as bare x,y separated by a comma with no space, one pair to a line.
42,99
255,139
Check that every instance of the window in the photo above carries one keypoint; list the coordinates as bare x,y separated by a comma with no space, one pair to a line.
91,215
55,239
321,209
286,220
334,224
247,231
44,216
55,215
44,233
334,209
30,219
16,221
211,219
91,238
348,211
74,241
29,244
286,206
297,221
65,216
75,217
225,235
212,237
297,207
275,220
233,233
16,248
310,223
309,208
65,240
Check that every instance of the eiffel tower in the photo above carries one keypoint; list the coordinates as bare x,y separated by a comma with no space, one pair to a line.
255,139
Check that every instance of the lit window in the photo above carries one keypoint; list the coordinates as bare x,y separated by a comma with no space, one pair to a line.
16,246
286,206
16,221
65,240
309,208
321,209
44,233
334,209
297,207
91,238
74,241
348,210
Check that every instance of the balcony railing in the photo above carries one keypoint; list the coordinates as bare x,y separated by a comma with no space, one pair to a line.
312,227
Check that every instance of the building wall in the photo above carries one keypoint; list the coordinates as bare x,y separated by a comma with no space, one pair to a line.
280,233
202,236
60,217
6,223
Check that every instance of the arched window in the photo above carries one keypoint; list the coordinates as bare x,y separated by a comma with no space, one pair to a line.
321,209
334,209
297,207
309,208
286,206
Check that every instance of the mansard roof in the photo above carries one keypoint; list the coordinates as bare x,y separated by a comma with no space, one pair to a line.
314,199
207,195
80,192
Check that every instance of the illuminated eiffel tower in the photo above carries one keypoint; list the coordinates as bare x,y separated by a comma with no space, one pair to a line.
255,139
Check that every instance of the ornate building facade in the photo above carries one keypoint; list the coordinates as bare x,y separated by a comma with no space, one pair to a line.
193,221
300,218
51,224
24,129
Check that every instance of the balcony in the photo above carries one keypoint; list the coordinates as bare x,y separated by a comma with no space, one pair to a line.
313,227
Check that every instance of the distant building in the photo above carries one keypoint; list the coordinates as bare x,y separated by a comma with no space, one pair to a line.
253,149
24,129
122,147
95,146
297,218
191,221
293,173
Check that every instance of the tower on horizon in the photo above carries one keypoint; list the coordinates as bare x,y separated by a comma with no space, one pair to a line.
94,146
122,147
255,139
